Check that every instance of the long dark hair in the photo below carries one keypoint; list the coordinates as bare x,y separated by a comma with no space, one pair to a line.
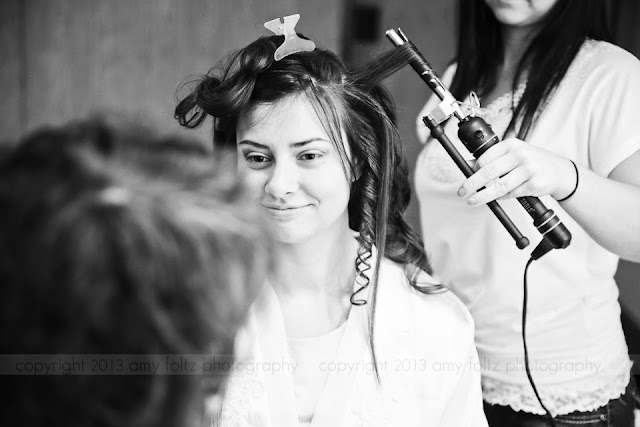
350,100
560,36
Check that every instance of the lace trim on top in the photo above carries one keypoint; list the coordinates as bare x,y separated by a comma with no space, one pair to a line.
507,100
500,111
559,401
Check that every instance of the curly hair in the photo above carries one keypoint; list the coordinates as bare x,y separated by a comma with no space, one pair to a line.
114,241
349,100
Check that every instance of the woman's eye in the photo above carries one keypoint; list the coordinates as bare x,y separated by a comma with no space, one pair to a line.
309,156
256,158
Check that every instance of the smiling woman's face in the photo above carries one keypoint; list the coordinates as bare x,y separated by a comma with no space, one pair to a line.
290,163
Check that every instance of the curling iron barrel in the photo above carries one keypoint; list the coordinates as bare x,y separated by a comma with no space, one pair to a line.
477,136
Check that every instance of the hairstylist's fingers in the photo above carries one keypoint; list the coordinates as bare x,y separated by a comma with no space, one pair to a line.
491,171
520,191
500,187
491,154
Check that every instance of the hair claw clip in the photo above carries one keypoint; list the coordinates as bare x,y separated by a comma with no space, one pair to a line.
292,43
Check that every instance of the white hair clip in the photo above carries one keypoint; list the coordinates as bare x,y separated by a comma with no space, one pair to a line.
292,43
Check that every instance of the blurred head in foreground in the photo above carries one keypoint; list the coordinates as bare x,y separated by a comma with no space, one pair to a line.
114,241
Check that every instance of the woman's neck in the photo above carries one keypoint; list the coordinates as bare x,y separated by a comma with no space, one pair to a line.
314,281
516,41
323,264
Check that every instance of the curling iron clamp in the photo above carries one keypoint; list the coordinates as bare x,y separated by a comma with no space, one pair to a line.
477,136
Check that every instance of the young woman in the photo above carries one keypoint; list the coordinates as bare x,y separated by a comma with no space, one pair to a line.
566,102
351,329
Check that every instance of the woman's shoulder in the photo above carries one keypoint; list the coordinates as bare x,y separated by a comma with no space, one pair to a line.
436,325
428,308
602,49
598,56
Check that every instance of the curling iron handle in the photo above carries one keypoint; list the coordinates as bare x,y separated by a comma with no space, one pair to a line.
437,132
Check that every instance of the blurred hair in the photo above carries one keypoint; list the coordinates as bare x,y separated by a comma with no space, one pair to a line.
115,241
560,35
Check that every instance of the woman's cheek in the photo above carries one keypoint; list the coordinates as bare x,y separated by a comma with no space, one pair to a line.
255,181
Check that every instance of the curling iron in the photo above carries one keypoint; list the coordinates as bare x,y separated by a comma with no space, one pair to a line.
477,136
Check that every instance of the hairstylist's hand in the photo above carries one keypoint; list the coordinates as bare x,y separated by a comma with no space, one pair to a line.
514,168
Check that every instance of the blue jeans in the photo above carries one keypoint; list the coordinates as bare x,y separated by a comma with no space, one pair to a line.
617,413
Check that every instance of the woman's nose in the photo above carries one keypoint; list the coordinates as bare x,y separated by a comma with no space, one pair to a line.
283,180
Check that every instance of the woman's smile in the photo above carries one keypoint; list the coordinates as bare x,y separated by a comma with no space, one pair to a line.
284,212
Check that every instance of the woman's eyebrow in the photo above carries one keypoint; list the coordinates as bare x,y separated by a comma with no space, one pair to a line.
253,143
293,144
306,141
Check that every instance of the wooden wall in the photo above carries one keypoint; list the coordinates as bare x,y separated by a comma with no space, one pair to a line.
68,58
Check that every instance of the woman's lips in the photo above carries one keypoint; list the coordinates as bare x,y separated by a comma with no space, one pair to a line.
281,211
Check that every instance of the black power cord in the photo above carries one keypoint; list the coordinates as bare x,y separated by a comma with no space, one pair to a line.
524,341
